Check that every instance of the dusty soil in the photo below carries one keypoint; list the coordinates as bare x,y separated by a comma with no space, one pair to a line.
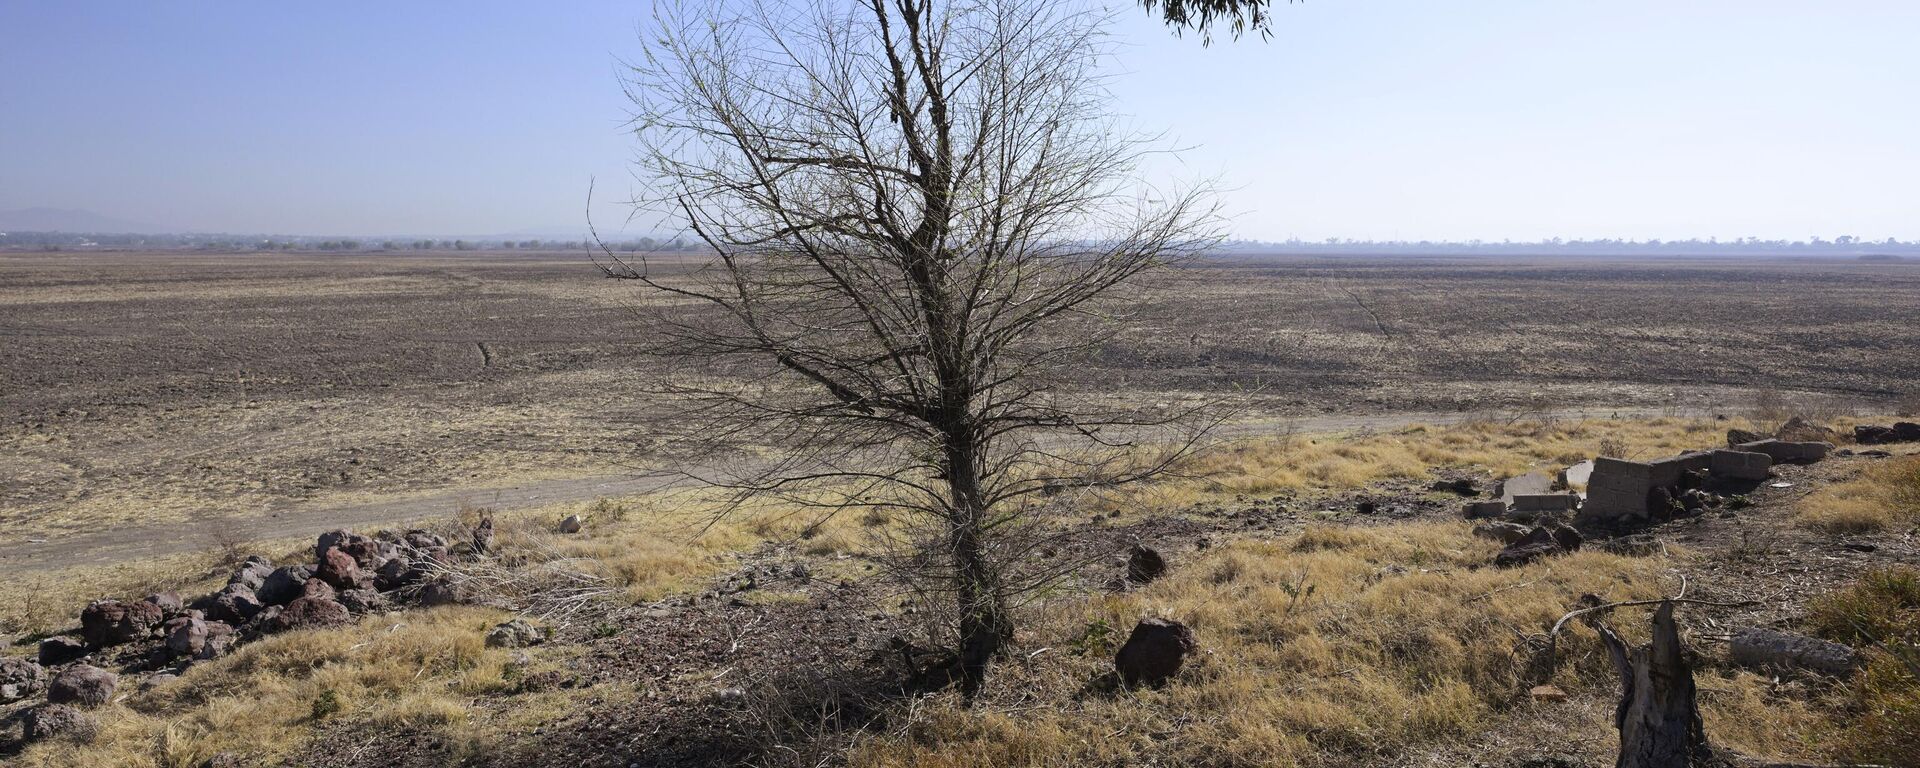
156,397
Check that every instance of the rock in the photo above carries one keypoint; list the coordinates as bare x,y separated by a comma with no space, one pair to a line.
186,637
571,524
1461,487
20,678
285,584
423,540
168,603
1144,564
1154,652
1783,452
107,623
1538,543
1475,510
220,639
60,650
438,592
1802,431
319,589
333,539
1547,693
1531,483
515,633
362,601
311,613
252,573
233,604
58,721
1505,533
394,574
1906,432
342,571
1568,538
83,685
1869,434
1741,465
1738,436
1768,649
262,623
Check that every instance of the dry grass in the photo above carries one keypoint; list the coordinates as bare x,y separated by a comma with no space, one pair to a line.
263,702
1346,461
1323,649
34,604
1884,497
1881,615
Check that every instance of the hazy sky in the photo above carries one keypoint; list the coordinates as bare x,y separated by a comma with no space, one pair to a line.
1383,119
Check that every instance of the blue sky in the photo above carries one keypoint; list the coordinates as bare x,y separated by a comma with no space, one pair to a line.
1380,119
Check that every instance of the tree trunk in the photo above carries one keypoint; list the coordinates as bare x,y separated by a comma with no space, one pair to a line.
1658,718
985,624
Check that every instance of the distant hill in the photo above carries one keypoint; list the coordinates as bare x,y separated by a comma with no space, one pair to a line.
75,221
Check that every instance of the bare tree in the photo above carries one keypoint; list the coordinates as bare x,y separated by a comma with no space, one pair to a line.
920,213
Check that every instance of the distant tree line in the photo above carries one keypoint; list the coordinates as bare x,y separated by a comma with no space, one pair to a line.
255,243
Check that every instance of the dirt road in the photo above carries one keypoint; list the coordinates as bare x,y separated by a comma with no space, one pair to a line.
297,520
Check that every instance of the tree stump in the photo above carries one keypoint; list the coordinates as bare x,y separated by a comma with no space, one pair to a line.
1658,718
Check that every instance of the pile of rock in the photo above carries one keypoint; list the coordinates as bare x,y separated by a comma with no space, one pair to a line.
351,575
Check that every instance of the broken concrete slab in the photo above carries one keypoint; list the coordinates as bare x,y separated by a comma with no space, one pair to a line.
1741,465
1529,483
1768,649
1578,474
1784,452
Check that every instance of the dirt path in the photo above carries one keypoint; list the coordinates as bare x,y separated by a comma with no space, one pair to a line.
298,520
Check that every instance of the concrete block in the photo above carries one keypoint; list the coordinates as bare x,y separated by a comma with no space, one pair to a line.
1544,502
1741,465
1667,472
1784,452
1478,509
1617,491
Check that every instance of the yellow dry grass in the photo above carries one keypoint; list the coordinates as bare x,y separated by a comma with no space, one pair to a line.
1317,650
1345,461
1884,497
415,672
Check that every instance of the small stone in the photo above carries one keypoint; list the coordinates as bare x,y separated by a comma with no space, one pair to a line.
515,633
360,601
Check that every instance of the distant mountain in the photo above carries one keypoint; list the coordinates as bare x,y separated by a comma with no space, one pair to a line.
74,221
